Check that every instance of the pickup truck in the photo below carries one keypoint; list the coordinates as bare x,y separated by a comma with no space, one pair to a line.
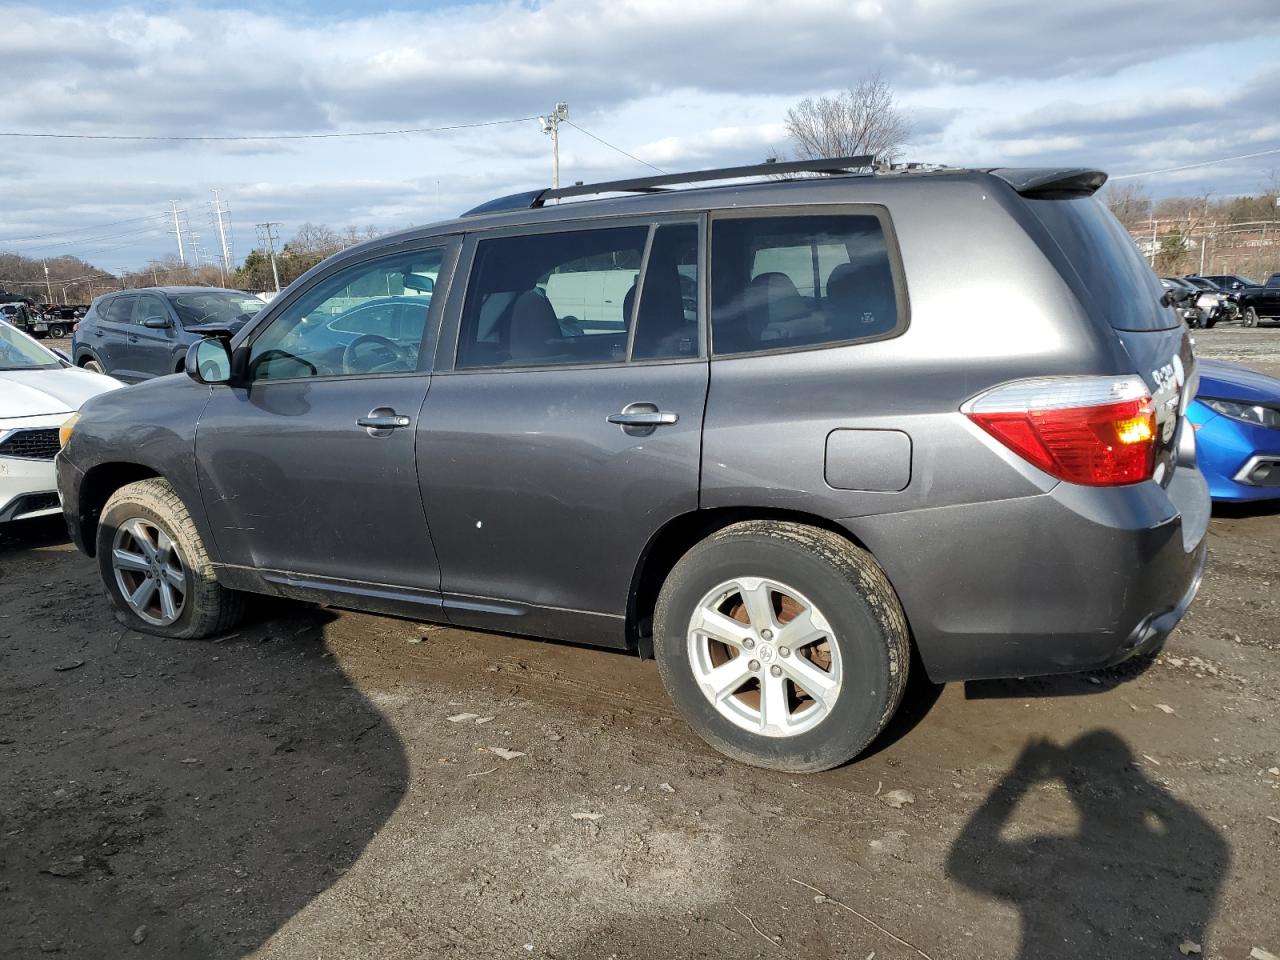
1260,303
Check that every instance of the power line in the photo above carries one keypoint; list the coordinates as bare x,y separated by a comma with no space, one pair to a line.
612,147
1202,163
68,233
271,136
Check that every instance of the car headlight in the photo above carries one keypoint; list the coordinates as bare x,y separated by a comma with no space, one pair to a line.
1256,413
64,431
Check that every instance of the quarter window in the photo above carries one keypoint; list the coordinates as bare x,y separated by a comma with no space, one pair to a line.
551,298
366,319
785,282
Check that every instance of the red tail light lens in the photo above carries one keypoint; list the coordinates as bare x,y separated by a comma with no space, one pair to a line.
1099,432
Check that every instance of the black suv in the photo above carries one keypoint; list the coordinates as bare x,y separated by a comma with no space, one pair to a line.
756,430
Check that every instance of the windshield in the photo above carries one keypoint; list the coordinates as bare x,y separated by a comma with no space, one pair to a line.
20,352
214,307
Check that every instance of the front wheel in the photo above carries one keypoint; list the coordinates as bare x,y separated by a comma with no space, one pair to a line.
93,366
1250,317
57,332
155,567
783,645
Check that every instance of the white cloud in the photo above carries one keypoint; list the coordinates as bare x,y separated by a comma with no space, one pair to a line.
674,82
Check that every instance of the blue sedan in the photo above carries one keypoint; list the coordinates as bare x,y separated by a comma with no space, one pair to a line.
1236,414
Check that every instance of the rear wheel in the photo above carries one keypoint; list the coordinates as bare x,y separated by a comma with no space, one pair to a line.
93,366
782,644
57,332
1250,317
155,568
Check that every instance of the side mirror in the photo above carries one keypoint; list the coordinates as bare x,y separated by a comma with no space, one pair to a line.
157,323
209,361
61,355
1166,298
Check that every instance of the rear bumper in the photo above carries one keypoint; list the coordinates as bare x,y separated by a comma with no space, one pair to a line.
1074,579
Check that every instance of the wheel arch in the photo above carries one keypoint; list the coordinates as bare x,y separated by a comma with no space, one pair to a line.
674,539
96,488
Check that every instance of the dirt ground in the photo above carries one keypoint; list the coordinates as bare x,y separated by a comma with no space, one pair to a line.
298,790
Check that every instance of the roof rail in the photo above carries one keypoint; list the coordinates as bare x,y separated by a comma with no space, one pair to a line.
533,199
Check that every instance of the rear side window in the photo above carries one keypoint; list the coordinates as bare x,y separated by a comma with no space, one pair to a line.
804,281
120,310
1105,269
551,298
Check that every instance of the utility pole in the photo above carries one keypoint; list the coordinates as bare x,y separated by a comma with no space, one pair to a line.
551,125
177,232
47,285
219,208
272,237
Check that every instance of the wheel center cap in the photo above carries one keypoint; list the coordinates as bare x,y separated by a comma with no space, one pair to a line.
764,652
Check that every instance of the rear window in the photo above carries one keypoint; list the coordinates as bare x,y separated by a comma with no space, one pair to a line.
1105,269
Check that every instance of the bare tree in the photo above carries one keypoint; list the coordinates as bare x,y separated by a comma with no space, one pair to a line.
863,119
1128,201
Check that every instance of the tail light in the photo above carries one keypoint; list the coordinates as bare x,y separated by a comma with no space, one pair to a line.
1096,431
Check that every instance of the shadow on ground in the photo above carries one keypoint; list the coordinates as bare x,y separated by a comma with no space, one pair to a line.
1139,875
191,796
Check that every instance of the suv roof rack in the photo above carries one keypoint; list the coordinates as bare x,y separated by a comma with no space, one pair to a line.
533,199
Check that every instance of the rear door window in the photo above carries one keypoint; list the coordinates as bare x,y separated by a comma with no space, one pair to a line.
120,310
785,282
551,298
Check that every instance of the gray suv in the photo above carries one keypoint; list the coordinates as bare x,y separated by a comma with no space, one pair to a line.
785,436
138,334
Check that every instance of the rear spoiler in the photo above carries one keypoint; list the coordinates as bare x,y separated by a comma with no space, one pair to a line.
1051,183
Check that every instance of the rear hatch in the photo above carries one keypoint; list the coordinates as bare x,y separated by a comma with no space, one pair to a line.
1102,265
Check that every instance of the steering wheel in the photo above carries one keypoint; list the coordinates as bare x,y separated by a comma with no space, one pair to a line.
385,353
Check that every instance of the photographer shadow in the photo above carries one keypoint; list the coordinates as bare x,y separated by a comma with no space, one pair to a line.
1141,874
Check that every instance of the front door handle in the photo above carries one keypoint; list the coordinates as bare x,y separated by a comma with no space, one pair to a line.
380,421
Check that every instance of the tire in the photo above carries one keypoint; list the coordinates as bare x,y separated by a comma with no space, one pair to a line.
1209,324
93,366
57,332
206,607
1250,317
865,637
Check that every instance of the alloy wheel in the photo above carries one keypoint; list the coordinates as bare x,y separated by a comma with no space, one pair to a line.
149,571
765,657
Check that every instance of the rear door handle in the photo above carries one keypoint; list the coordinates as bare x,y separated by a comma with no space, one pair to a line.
641,419
380,421
644,418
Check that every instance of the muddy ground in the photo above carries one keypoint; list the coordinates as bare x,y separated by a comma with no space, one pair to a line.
297,790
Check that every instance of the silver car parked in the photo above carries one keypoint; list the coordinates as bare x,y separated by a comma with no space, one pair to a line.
757,431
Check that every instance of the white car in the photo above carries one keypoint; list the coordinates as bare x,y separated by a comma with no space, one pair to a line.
38,391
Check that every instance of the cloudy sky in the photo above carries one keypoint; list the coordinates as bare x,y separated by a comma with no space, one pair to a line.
1126,85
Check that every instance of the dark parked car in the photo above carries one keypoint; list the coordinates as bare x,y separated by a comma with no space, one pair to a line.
1260,303
1184,298
1216,303
138,334
738,428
